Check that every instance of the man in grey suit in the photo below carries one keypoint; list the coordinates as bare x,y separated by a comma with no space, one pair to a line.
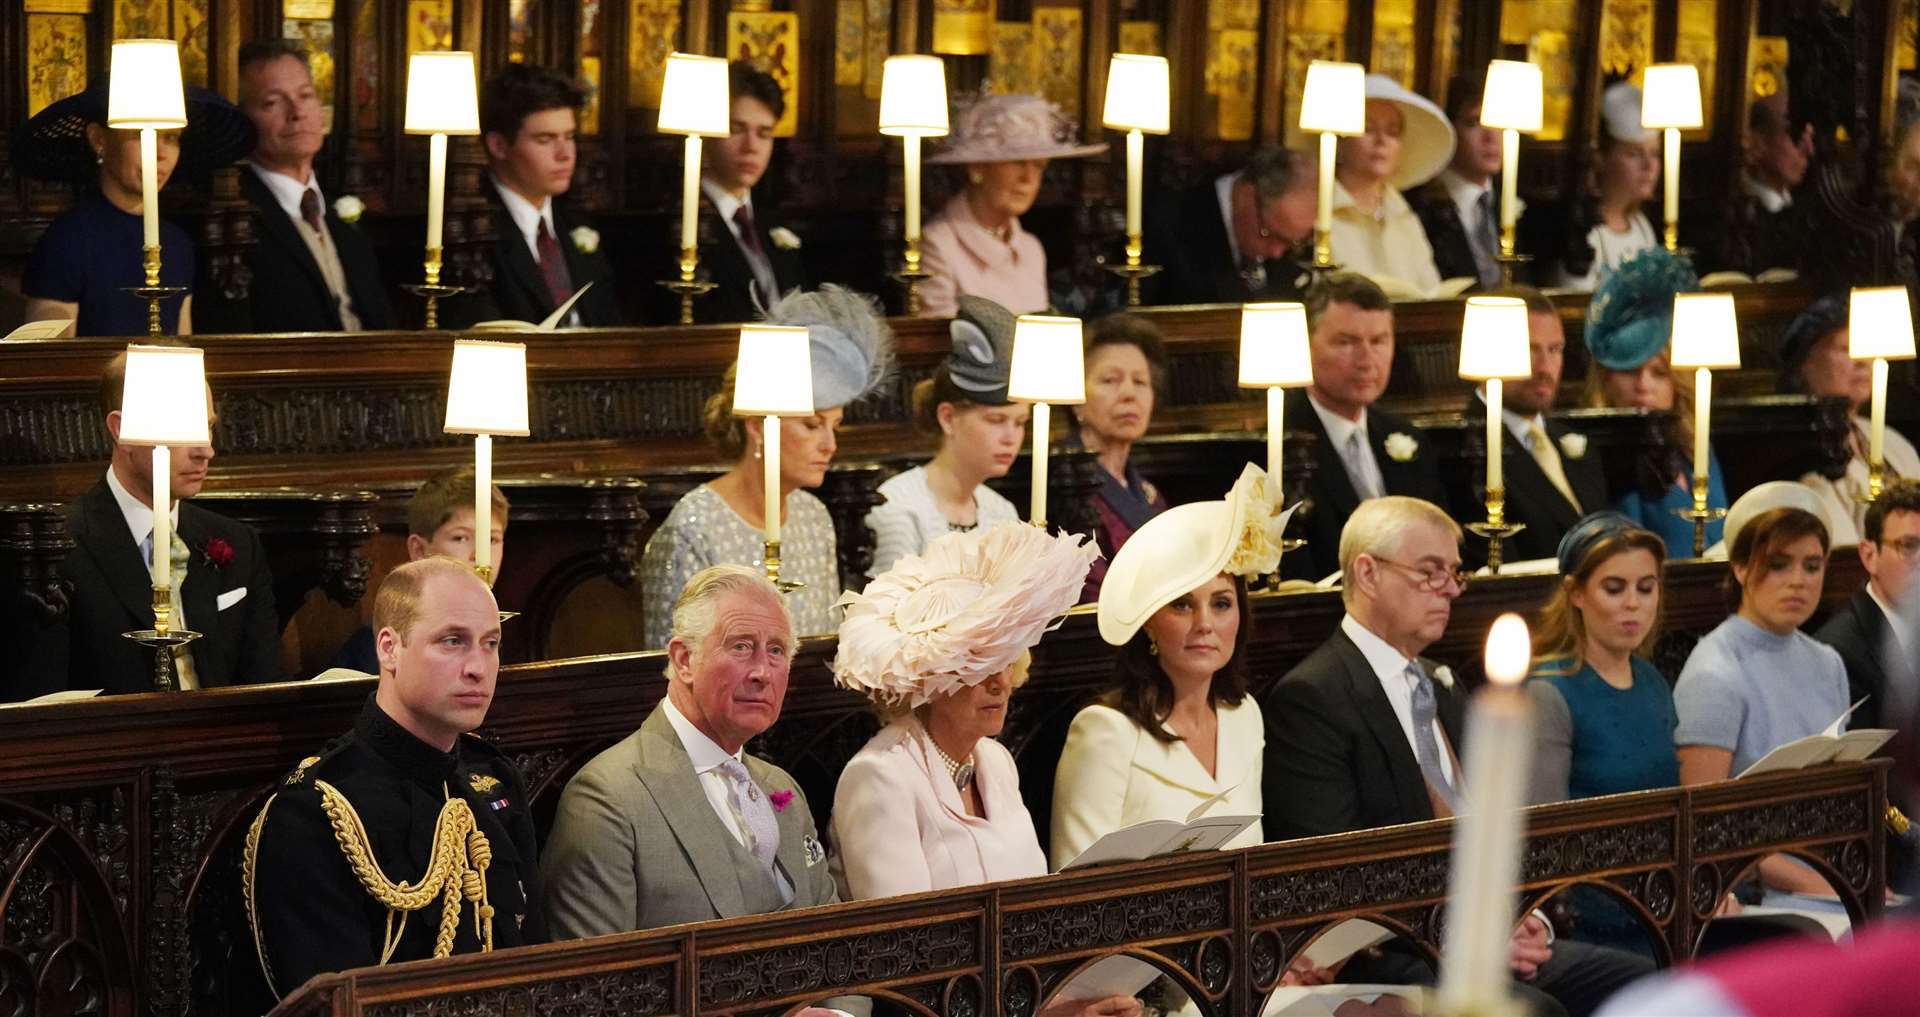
675,823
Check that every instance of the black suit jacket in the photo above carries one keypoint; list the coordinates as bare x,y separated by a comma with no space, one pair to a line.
288,293
1337,758
1189,242
1531,497
1859,631
1440,217
519,290
723,263
1334,498
112,594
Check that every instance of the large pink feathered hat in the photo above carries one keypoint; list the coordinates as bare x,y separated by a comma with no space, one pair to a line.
958,613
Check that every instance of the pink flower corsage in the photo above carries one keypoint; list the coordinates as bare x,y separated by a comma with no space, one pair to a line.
780,799
219,553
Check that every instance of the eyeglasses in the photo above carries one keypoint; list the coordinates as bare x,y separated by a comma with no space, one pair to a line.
1907,548
1432,580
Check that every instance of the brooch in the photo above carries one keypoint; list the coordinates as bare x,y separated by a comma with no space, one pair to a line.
483,782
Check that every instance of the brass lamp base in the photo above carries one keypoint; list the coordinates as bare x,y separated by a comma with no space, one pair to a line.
1133,272
911,277
432,293
773,570
1510,264
153,295
688,289
163,642
1876,483
1495,530
1700,516
1503,1006
1272,580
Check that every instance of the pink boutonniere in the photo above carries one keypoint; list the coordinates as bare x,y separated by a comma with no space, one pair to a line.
780,799
219,553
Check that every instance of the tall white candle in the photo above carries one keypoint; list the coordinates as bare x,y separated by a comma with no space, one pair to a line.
436,187
1671,168
162,517
911,145
1136,162
770,457
1488,838
1329,149
1276,435
1877,433
1702,413
149,188
1509,180
690,192
483,500
1037,498
1496,478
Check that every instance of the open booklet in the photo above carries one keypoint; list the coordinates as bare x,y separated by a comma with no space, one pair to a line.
1346,1001
63,696
1829,746
551,322
49,329
1118,975
1157,837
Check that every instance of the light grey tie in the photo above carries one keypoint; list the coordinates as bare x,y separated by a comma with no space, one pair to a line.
1485,240
1355,461
753,811
1426,748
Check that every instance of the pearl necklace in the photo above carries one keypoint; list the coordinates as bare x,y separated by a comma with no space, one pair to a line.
962,773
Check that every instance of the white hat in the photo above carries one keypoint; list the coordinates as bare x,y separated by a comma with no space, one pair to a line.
1426,144
1183,547
1620,112
1774,494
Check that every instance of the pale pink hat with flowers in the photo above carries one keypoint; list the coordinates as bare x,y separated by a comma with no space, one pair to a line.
1009,128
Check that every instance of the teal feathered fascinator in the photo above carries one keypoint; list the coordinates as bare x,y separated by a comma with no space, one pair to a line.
1631,316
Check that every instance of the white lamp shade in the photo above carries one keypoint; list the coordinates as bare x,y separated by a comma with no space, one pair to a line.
1493,339
441,96
913,97
1706,332
695,96
164,399
1137,94
774,376
1334,99
1273,346
143,86
1514,96
1879,323
1047,365
487,388
1671,96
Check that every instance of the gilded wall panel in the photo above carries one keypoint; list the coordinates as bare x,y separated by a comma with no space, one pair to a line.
519,30
1010,67
56,58
1550,30
1694,43
365,84
1316,30
1766,65
141,19
590,65
1393,48
311,10
1057,61
1233,75
429,25
879,44
1903,47
1145,37
653,27
316,37
1626,38
963,27
849,43
190,30
59,6
770,40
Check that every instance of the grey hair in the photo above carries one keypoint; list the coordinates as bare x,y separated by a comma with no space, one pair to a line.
1375,528
1273,171
698,605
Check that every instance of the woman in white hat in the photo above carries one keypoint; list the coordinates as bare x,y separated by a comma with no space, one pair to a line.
721,521
965,403
975,244
1576,243
1756,682
1375,232
1179,727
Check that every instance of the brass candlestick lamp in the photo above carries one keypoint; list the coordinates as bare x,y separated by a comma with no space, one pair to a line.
442,99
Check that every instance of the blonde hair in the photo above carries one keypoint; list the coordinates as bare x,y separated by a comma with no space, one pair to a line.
1560,636
727,432
1375,528
396,605
698,605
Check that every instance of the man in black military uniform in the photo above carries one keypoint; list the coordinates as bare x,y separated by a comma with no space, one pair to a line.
408,796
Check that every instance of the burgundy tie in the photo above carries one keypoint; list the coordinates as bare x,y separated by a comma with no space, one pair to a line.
749,237
553,265
310,209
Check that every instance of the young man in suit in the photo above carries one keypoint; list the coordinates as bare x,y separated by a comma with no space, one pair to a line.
1239,237
1365,733
311,271
1360,452
1459,208
1551,479
676,823
543,250
746,250
1890,551
224,592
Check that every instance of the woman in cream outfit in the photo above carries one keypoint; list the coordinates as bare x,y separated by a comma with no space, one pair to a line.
1375,232
1179,727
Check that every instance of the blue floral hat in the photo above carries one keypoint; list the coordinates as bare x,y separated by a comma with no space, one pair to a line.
1631,316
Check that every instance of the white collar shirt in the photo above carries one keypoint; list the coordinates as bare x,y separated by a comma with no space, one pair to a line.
140,524
1769,199
1223,190
1340,432
1390,667
707,758
286,191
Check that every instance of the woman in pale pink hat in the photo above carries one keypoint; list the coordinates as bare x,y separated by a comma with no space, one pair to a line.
975,244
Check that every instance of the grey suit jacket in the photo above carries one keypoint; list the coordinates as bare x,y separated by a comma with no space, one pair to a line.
636,845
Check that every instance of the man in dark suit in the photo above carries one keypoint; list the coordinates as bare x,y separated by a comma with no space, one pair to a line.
1360,452
311,270
1459,208
1365,733
226,594
1890,550
1237,238
1551,480
543,251
1759,225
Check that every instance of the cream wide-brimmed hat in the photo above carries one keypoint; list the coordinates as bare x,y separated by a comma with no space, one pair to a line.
1426,143
958,613
1009,128
1185,546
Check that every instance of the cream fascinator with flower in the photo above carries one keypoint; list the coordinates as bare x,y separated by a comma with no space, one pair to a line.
959,612
1183,547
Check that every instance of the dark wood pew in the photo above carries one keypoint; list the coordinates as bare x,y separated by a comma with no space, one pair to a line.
1223,925
132,808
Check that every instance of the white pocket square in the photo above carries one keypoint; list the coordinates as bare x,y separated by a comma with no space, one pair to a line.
230,598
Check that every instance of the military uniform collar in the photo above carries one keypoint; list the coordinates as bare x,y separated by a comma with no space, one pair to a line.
399,747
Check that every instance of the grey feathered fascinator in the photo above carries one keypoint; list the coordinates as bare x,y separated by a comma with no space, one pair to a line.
849,342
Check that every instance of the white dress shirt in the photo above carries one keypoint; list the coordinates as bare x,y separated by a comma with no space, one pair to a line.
707,757
1340,432
1223,189
140,523
1769,199
1391,668
527,219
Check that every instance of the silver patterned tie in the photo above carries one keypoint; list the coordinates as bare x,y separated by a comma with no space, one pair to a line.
754,812
1426,748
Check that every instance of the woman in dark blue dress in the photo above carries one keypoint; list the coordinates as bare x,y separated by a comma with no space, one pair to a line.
83,263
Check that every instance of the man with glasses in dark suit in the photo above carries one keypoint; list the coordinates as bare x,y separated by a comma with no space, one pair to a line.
1240,237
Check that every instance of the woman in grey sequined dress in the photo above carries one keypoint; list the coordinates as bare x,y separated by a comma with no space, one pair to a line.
721,521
